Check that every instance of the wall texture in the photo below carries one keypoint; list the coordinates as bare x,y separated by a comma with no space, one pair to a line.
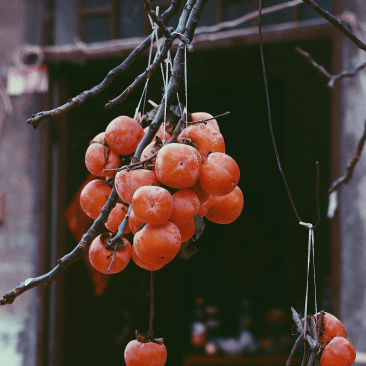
18,186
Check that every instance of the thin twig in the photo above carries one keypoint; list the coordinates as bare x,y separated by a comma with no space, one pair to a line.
152,313
337,23
309,339
292,354
351,166
332,78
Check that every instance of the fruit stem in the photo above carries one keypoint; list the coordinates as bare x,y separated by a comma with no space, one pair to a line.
152,314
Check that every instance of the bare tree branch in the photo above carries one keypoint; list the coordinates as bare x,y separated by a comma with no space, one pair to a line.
351,166
69,258
98,225
337,23
81,98
330,77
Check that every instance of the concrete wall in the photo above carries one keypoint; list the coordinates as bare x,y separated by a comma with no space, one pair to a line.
352,209
18,185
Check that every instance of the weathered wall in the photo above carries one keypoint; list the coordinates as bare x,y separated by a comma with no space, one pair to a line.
352,210
18,184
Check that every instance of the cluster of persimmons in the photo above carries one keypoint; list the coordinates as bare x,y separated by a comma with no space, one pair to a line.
336,349
176,180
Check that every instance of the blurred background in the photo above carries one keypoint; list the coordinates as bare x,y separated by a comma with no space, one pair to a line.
230,303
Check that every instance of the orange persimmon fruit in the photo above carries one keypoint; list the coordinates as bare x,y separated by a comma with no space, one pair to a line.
220,174
152,204
338,352
116,216
123,134
206,137
145,353
101,258
157,244
127,181
226,209
185,206
178,166
94,196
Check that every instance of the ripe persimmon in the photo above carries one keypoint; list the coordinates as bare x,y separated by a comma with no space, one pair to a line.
134,223
152,204
149,150
99,157
202,211
185,206
333,327
145,353
157,244
123,134
144,265
116,216
94,196
207,138
127,181
101,258
201,194
178,166
199,116
187,230
226,209
220,174
338,352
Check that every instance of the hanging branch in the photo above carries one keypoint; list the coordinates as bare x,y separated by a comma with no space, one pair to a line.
337,23
82,97
351,165
321,69
64,262
98,225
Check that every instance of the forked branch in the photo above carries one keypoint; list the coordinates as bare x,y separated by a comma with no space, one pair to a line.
98,225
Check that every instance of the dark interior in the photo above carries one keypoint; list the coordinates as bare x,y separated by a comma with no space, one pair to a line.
263,255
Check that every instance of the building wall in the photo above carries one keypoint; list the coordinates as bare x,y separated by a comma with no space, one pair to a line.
19,175
352,211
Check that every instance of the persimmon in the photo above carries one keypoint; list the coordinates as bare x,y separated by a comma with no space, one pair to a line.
123,134
127,181
145,354
152,204
199,116
220,174
157,244
149,150
201,194
163,136
94,196
178,166
207,138
338,352
202,211
333,327
142,264
185,206
116,216
134,223
187,230
101,258
99,157
226,209
99,138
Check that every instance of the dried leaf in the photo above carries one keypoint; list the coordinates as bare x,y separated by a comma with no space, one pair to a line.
187,250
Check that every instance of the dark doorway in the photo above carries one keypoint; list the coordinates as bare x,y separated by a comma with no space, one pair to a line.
261,256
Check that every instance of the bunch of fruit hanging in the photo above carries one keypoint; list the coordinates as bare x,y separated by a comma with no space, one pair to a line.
182,176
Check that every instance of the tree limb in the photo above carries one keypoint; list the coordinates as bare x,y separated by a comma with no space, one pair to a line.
337,23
